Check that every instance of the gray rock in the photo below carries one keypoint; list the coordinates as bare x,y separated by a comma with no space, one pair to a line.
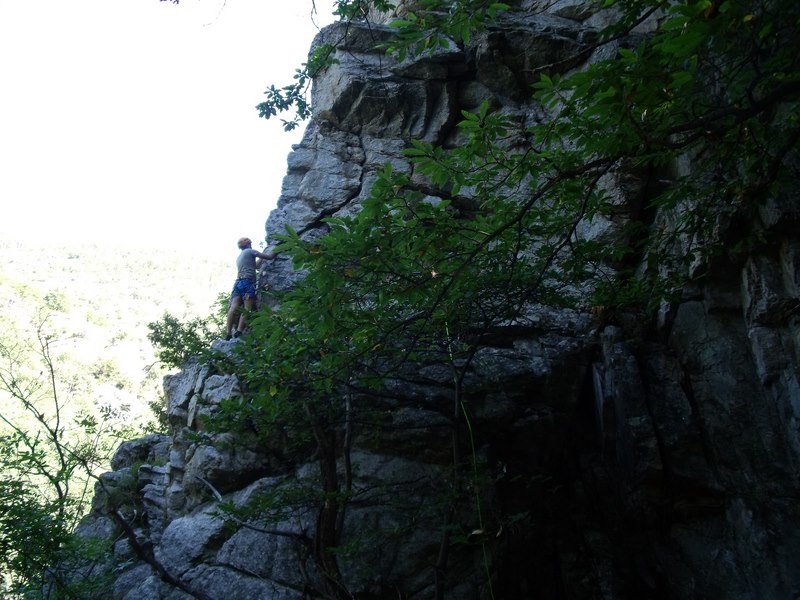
151,448
189,539
220,582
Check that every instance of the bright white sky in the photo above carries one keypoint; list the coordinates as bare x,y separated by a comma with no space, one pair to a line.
133,122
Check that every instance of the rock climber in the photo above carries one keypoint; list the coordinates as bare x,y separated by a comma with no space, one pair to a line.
244,290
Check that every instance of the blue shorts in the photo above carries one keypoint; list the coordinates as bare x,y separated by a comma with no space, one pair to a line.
244,288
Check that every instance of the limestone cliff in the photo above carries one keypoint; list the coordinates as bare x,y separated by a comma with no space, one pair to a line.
638,461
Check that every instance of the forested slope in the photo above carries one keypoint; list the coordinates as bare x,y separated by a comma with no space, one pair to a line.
95,303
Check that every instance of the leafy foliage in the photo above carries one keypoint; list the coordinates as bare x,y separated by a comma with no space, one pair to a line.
296,94
177,341
430,25
98,305
494,225
425,270
65,385
49,456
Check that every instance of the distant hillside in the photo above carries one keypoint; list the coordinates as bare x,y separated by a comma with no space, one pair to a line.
99,300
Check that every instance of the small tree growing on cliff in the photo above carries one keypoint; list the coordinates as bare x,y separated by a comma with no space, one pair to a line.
49,456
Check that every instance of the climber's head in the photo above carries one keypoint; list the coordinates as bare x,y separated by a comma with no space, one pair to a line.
244,243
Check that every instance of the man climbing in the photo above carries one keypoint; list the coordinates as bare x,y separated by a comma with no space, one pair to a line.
244,290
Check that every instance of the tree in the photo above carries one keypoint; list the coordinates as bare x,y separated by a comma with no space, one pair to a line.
425,271
49,457
713,83
178,341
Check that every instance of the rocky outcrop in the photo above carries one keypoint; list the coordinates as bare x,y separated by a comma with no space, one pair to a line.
633,461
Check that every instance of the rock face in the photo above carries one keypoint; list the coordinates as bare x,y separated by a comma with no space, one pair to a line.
663,468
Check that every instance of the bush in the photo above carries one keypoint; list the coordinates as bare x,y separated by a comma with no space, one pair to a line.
177,341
